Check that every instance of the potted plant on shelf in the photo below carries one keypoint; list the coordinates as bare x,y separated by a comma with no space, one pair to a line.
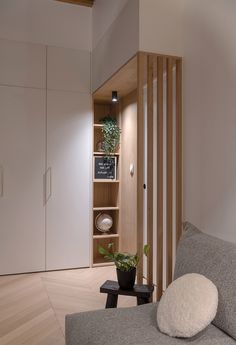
111,135
125,264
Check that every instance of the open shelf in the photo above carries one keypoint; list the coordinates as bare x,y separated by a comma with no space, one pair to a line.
98,259
105,236
98,153
102,109
114,230
115,208
117,197
106,192
106,181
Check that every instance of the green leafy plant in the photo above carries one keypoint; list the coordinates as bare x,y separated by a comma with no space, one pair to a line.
124,261
111,134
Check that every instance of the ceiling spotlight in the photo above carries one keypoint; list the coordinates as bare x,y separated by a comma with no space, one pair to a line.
114,96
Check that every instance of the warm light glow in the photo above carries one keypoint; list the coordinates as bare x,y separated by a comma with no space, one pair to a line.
114,96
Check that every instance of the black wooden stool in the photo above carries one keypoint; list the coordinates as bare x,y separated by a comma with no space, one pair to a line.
142,292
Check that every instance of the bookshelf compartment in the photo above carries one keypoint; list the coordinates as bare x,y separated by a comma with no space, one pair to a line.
115,226
105,194
98,259
102,110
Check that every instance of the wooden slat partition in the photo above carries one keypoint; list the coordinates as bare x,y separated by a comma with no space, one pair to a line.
159,266
160,69
169,172
178,150
150,166
140,160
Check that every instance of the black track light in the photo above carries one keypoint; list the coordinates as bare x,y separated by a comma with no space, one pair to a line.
114,96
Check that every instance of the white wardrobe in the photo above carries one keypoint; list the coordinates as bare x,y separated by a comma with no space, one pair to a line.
45,163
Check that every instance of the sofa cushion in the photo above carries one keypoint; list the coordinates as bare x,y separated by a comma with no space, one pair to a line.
131,326
188,306
216,260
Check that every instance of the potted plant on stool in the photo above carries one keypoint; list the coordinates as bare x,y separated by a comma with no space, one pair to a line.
125,264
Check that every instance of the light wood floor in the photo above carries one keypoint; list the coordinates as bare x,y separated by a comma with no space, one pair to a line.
33,306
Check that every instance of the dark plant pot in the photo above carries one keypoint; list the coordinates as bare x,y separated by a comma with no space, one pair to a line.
126,280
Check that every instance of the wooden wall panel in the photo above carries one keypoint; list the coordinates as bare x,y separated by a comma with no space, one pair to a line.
128,187
150,166
165,103
178,150
159,266
169,172
140,163
160,69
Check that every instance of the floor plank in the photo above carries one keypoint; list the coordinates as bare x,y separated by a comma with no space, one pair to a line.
33,306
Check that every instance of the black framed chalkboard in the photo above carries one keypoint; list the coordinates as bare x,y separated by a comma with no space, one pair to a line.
105,168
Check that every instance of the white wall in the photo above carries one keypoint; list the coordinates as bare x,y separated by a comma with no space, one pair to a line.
204,33
123,27
115,42
46,22
104,14
209,116
161,29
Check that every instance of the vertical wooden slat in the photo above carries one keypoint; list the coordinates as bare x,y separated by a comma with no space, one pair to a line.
178,149
159,177
150,167
169,172
146,65
140,163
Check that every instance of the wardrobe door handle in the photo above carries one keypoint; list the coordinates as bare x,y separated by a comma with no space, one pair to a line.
48,184
1,182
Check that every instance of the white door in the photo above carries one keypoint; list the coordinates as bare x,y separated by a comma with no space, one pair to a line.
69,138
22,162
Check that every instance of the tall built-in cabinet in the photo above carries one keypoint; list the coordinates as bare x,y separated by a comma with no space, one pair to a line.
68,171
22,164
45,157
68,179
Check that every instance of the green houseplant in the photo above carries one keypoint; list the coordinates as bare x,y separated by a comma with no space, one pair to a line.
126,264
111,135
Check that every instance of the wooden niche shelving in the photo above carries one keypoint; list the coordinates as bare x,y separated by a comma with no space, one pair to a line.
106,192
149,113
117,197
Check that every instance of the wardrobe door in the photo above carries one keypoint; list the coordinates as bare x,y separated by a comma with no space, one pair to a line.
69,138
22,165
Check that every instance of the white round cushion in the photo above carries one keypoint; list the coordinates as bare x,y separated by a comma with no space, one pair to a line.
188,305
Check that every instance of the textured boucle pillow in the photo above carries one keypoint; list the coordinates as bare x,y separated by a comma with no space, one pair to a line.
188,306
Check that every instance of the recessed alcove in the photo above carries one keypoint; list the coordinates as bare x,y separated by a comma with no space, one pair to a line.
145,199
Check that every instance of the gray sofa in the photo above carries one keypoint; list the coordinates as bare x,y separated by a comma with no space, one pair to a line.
197,252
